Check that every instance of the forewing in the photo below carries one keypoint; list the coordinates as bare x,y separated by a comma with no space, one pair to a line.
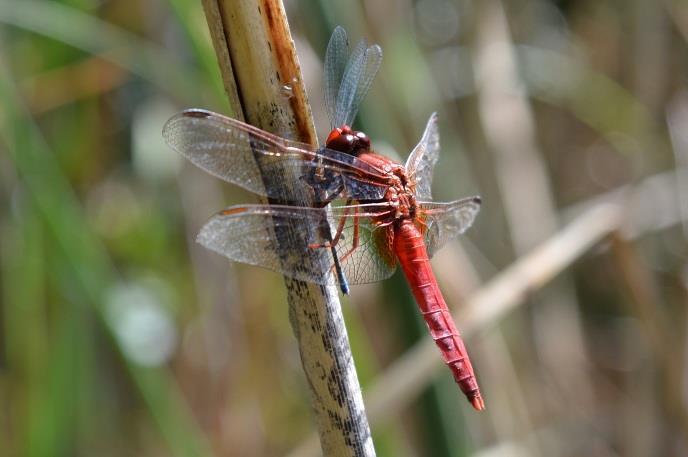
358,76
444,221
371,65
421,163
249,157
348,86
336,57
295,241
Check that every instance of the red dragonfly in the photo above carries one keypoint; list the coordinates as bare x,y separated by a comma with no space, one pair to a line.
386,216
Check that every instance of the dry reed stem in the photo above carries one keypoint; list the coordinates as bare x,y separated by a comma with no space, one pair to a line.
645,304
263,81
677,119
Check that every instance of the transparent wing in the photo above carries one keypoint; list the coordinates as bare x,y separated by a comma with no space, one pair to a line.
242,154
294,241
444,221
421,163
352,84
371,65
365,250
336,57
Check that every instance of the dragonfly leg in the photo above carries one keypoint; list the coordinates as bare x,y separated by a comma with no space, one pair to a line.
341,278
337,234
354,239
343,283
422,226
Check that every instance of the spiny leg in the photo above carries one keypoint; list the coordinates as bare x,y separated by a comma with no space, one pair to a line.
337,235
343,283
354,238
325,228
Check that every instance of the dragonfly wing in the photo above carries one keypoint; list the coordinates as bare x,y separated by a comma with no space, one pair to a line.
421,163
272,237
358,76
444,221
371,65
364,249
349,85
336,57
249,157
295,241
234,151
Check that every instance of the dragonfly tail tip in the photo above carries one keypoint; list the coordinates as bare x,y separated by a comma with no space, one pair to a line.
478,403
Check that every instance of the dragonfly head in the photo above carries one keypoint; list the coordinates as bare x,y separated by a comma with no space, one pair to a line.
344,139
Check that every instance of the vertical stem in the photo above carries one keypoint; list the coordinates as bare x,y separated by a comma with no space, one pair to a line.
645,302
264,85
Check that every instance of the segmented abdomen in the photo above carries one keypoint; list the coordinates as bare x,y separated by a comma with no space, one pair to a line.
413,257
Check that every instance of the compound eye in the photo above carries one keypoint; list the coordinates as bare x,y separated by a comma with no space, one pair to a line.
362,141
334,134
350,141
343,142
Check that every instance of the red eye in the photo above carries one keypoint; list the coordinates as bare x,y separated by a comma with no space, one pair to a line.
341,141
344,139
363,142
335,133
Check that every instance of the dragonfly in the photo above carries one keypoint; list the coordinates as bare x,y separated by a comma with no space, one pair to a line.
369,212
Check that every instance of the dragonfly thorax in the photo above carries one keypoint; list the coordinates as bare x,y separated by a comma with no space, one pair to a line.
345,139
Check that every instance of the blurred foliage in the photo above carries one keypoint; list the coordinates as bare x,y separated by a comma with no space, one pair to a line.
120,336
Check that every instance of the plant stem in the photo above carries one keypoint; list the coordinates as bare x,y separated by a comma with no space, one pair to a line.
263,81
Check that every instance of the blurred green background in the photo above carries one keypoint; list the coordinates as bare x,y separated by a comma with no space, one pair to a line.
120,336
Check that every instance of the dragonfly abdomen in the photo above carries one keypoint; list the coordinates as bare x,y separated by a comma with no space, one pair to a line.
409,247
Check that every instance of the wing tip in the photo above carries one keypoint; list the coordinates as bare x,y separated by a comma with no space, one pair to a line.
168,128
202,235
339,30
374,49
